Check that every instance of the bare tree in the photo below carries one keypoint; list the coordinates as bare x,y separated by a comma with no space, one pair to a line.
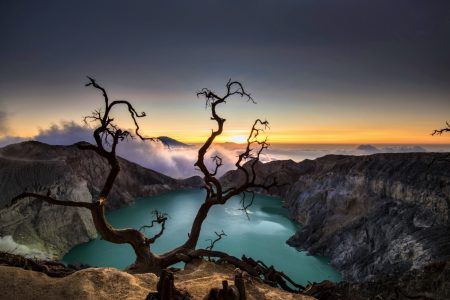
108,135
445,157
441,130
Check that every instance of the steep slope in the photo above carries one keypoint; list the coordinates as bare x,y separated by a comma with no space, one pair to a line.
376,214
69,173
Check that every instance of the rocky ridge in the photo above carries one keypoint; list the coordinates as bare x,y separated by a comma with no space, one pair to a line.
372,215
72,174
197,278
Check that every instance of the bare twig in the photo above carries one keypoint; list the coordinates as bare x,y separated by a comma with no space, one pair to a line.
245,205
51,200
159,218
442,130
214,190
108,135
213,242
218,162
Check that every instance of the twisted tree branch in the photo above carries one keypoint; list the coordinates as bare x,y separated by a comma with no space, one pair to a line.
212,243
51,200
160,218
108,135
442,130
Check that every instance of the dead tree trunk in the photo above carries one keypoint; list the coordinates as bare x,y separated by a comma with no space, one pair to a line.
108,135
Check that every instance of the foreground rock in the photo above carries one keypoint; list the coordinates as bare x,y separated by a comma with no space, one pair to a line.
72,174
372,215
100,283
197,279
109,283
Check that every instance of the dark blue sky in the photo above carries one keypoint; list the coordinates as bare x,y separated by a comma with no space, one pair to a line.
337,63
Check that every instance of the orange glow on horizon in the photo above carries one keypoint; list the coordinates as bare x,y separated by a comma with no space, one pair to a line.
342,136
307,136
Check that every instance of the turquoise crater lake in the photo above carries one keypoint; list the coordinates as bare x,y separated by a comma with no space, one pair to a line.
263,237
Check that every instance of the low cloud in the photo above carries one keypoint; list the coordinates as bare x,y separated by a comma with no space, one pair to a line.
67,133
7,244
179,162
174,162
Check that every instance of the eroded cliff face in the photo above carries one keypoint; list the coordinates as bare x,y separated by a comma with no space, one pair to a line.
372,215
72,174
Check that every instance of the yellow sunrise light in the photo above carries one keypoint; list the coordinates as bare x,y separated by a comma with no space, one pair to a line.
238,139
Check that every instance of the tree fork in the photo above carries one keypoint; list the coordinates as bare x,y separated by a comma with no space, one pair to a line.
108,135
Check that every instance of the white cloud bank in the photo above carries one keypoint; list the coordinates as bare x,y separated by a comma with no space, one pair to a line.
179,162
174,162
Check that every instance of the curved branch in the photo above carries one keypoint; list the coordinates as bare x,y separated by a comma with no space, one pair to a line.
93,83
245,205
272,276
106,129
247,154
212,243
105,132
442,130
107,136
51,200
239,90
215,194
254,268
160,218
219,162
134,115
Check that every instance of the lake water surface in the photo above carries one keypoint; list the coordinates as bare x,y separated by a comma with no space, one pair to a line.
263,237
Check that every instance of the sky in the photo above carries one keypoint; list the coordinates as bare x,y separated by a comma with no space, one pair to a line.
347,71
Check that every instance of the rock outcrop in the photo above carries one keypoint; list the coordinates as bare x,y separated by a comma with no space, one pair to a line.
372,215
72,174
197,279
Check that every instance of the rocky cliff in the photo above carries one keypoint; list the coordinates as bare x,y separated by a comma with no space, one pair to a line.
72,174
429,282
372,215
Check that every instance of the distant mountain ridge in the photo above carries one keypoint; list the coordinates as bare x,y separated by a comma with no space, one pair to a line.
69,173
168,141
390,149
367,148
